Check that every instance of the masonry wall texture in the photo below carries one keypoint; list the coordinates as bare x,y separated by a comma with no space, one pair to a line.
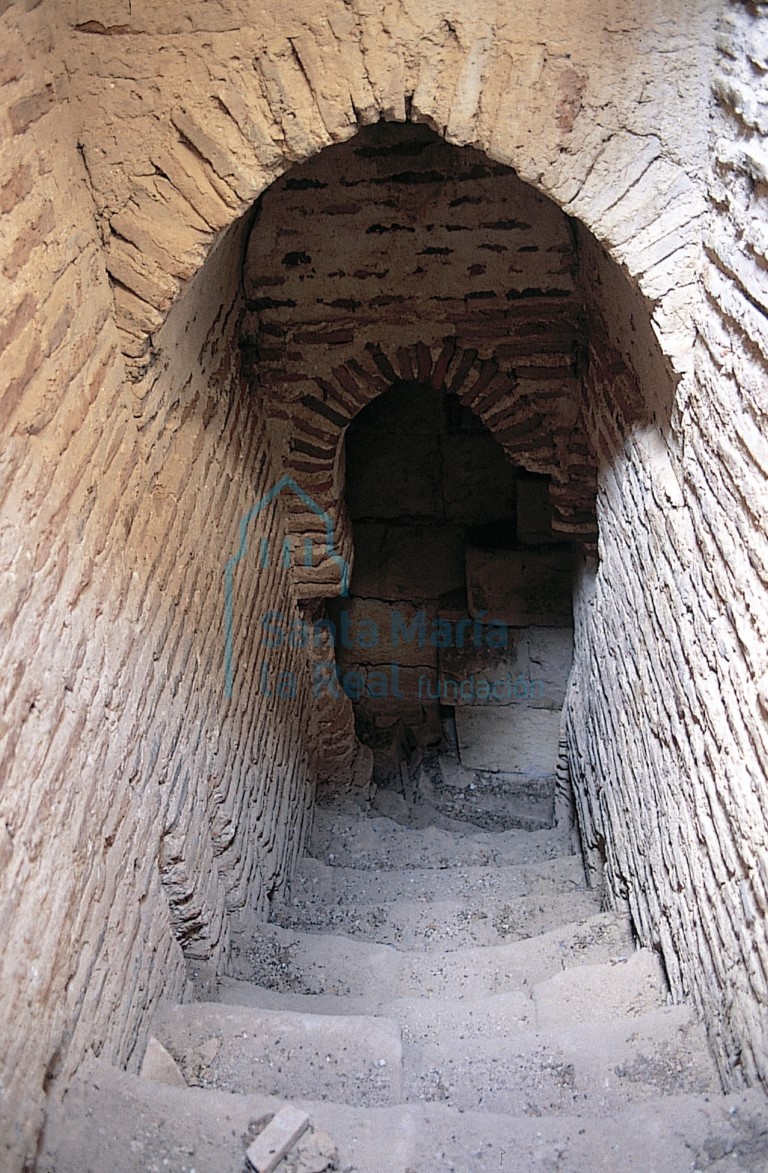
141,808
686,510
432,266
423,251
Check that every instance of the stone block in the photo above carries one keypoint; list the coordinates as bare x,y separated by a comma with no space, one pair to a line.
534,511
387,696
411,562
160,1066
474,675
478,479
379,631
550,656
521,587
394,475
279,1136
510,740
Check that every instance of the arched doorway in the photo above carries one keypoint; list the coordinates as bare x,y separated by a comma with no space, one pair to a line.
456,640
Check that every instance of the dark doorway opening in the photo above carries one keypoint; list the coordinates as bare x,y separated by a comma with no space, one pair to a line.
455,644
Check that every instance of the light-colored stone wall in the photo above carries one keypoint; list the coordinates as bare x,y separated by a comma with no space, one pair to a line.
421,472
442,525
137,805
66,834
667,717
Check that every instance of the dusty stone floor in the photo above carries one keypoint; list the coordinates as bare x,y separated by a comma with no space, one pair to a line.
440,991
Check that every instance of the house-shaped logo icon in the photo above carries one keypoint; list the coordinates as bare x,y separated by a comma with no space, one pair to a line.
288,483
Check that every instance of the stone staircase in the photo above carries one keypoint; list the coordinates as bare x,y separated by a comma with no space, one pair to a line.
436,997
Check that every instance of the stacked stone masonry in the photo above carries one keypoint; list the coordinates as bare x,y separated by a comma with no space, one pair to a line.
141,806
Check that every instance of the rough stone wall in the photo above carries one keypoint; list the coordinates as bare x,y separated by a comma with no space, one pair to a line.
627,663
61,373
237,778
725,465
666,730
604,115
138,805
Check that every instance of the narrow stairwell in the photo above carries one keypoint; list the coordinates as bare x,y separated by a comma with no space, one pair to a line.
437,996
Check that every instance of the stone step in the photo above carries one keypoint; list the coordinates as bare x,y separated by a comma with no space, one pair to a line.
116,1121
483,807
291,961
319,884
445,925
369,842
420,1019
353,1060
362,1062
495,812
493,801
432,909
591,1068
420,813
630,985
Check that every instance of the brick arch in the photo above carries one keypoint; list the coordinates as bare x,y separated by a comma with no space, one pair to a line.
524,427
313,455
177,176
168,184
